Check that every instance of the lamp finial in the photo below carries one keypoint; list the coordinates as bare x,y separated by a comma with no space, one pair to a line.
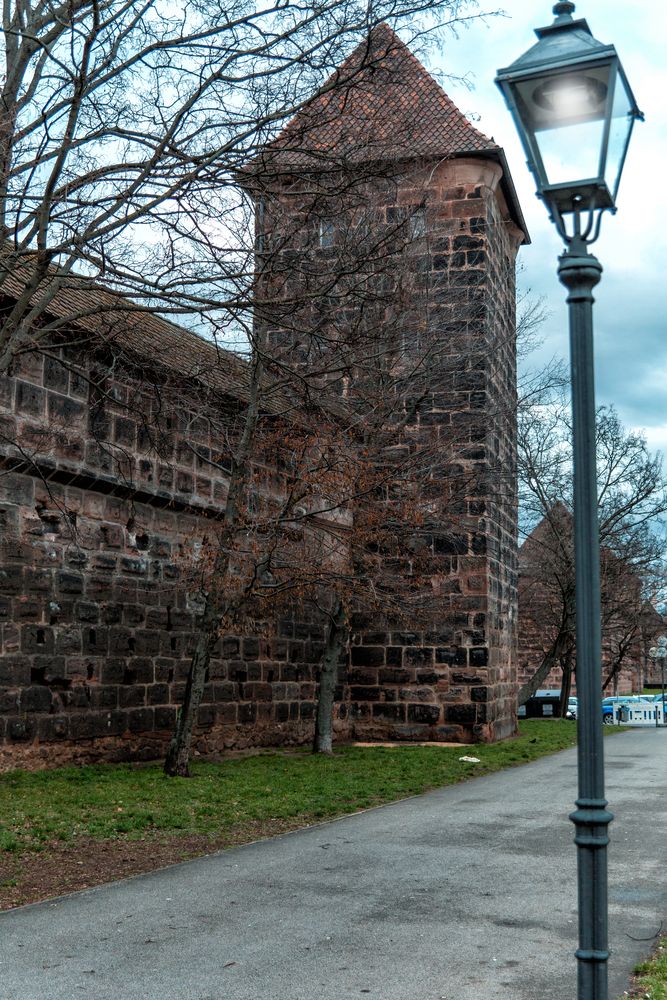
564,10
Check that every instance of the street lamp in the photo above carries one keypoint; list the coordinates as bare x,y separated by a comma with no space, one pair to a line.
659,652
574,111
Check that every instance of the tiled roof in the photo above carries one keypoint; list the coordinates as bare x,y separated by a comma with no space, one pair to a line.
109,317
380,104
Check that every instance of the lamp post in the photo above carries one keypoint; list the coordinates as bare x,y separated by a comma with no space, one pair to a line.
659,652
574,111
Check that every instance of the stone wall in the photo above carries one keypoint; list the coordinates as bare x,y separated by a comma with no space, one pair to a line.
453,290
461,670
103,503
542,564
385,220
98,605
108,492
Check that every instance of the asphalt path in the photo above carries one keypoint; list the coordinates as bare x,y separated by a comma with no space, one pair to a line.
467,893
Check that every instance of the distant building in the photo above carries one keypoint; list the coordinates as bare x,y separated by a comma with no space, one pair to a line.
547,618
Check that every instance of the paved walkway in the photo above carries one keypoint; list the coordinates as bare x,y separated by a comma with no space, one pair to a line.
468,893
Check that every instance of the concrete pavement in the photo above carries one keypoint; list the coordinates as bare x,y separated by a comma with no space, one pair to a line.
467,893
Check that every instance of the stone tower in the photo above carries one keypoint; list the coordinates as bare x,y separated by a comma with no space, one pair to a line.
381,176
387,232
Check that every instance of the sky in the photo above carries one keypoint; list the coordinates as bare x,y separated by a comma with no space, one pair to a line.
630,315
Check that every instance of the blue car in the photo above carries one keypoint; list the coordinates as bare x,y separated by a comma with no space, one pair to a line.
623,699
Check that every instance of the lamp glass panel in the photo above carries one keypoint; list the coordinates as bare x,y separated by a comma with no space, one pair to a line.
566,113
622,118
571,153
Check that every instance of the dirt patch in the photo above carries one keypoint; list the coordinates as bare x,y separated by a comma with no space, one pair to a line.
60,868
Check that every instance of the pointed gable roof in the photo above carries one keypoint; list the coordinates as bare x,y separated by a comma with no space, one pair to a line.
381,105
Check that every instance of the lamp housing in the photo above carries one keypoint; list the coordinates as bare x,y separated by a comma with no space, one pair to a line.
574,110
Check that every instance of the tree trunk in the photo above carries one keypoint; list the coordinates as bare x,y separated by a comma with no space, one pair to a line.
217,604
550,660
612,676
178,755
336,639
566,684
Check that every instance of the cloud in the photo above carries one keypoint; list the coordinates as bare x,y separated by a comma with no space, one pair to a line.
631,301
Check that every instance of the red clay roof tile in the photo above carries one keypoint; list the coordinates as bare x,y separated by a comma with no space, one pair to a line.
380,104
108,317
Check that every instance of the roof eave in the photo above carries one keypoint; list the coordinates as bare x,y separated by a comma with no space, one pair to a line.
507,183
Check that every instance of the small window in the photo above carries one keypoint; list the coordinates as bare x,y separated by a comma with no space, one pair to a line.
418,224
326,233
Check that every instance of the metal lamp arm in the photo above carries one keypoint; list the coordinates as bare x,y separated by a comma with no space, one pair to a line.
583,235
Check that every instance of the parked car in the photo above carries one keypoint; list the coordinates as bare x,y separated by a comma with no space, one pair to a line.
571,712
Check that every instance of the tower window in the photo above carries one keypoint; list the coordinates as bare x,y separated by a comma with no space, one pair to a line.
418,223
326,232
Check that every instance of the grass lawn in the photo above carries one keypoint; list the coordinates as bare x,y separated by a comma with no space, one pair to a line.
651,976
129,800
72,827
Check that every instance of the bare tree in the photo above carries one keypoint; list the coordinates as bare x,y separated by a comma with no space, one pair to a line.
358,507
125,132
123,125
632,497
